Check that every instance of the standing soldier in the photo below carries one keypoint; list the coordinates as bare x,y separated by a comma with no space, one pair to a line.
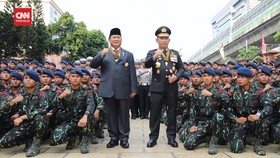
167,68
30,123
247,113
118,85
76,114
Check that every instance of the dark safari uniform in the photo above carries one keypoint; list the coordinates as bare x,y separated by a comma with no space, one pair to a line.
162,92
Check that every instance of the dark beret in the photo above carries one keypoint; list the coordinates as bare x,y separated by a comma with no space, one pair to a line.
8,70
98,74
163,31
63,62
208,62
196,72
231,62
36,62
225,72
60,74
33,75
252,64
84,70
115,31
71,64
265,70
243,71
47,62
52,63
76,71
208,71
60,70
22,68
17,75
186,75
217,72
202,63
47,72
237,66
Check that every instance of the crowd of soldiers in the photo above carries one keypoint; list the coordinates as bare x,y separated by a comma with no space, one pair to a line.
40,102
235,103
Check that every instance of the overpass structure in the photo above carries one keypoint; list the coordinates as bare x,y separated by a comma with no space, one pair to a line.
262,20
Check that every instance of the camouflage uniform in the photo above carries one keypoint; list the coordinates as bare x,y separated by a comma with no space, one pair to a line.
34,105
205,114
182,111
244,103
275,119
97,128
7,112
74,106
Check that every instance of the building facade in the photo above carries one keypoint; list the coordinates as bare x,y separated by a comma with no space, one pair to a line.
234,10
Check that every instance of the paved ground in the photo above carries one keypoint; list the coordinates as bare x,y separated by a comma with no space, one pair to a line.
138,149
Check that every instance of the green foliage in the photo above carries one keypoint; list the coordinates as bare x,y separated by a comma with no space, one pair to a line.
31,42
250,54
277,35
9,39
75,39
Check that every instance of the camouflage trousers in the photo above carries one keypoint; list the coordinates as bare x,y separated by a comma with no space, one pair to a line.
275,133
65,130
25,131
97,126
205,129
238,134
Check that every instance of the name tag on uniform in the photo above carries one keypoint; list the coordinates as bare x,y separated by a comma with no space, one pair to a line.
174,59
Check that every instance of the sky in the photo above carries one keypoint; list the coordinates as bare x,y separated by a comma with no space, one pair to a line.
189,21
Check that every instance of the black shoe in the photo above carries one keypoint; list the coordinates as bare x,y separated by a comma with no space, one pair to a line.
133,117
124,144
151,143
142,117
112,143
173,143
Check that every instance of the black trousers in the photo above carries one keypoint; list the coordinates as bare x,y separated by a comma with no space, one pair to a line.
157,100
117,111
144,100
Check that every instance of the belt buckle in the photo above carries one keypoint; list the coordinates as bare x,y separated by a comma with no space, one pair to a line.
144,84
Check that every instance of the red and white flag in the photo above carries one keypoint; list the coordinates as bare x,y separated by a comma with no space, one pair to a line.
222,51
263,48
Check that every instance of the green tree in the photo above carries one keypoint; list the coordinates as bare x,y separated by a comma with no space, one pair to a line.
35,39
9,39
75,39
96,41
250,54
277,35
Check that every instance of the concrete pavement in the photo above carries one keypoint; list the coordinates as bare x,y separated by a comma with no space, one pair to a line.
138,149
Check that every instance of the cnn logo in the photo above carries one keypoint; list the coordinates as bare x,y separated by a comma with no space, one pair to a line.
22,16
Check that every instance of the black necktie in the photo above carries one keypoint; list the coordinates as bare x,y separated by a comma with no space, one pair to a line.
164,51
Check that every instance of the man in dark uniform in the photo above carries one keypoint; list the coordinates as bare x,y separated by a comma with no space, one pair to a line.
167,68
118,85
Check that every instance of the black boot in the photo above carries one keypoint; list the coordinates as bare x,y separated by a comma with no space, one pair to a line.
72,143
85,145
213,149
34,149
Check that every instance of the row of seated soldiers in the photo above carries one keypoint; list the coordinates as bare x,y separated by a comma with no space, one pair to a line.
239,106
41,106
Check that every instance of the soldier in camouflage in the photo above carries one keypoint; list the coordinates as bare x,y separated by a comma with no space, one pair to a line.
76,113
182,110
206,119
7,116
30,123
248,113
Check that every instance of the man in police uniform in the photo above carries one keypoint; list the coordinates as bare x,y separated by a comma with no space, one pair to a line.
167,68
